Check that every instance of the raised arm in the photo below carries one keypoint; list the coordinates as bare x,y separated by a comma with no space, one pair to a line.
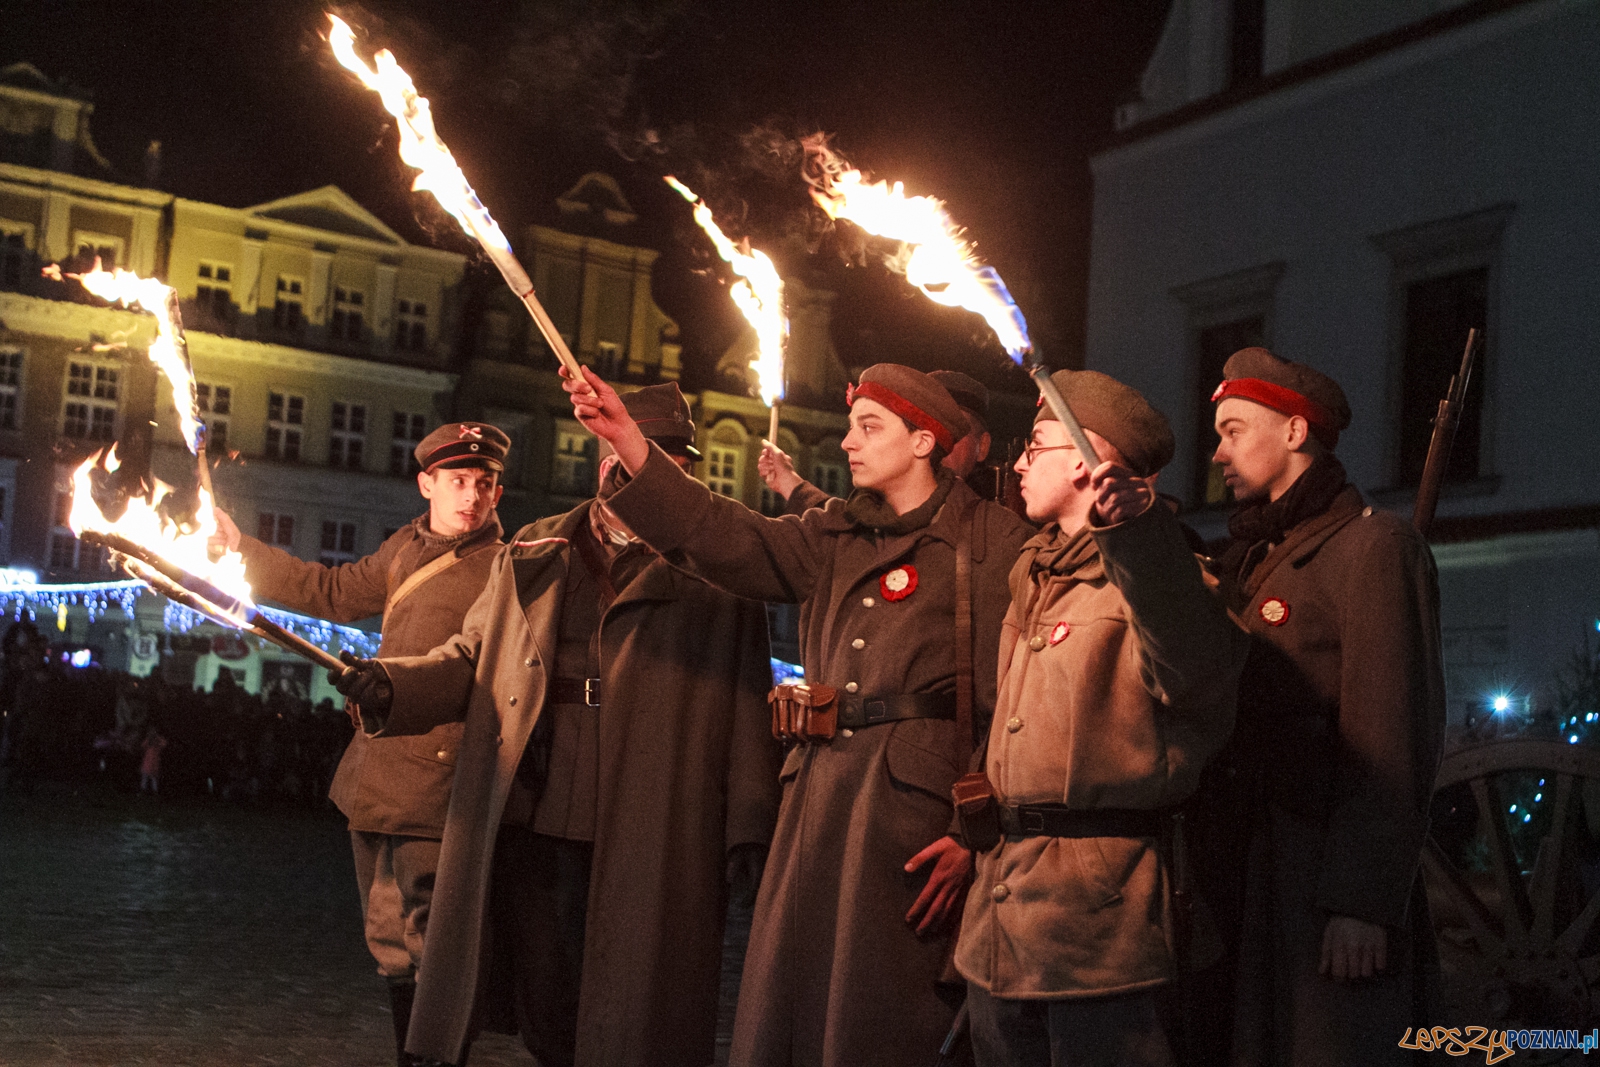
344,593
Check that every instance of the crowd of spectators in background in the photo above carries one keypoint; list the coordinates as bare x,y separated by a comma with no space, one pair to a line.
87,725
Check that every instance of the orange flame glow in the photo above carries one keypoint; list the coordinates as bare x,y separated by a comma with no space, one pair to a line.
758,294
936,257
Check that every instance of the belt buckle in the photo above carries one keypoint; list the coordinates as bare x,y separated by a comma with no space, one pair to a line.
1032,821
874,710
590,698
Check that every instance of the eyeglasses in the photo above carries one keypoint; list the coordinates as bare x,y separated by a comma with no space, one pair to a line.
1031,452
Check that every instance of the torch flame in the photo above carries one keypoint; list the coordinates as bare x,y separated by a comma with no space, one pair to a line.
420,145
144,524
758,294
124,286
936,258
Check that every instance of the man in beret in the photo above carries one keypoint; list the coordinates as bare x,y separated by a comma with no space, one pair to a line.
616,774
777,467
395,791
1341,723
1118,674
901,588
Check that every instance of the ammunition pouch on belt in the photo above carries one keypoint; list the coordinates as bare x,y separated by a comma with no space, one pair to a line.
804,713
978,811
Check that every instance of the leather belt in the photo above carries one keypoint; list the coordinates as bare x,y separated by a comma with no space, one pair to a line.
585,691
1056,820
856,712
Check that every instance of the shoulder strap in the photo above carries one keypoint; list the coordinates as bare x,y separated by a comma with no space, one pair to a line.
965,742
429,570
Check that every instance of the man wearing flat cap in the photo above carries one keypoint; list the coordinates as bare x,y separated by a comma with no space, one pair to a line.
616,775
1118,674
777,468
395,791
1341,722
901,590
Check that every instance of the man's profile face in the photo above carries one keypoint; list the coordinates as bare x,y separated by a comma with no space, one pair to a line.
461,499
972,449
880,447
1254,449
1054,474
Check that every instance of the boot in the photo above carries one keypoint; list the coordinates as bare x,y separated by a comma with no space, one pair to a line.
401,994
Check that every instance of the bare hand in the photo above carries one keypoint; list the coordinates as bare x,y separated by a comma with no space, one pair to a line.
940,901
227,535
777,470
603,414
1119,494
1353,948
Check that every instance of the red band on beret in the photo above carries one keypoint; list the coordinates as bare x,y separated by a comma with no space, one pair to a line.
902,407
1281,399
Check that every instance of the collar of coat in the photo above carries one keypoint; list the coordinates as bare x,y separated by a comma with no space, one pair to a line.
867,508
1302,541
1057,553
438,544
550,539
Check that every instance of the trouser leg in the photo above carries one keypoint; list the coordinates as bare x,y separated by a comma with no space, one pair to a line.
1008,1033
1115,1031
381,905
540,896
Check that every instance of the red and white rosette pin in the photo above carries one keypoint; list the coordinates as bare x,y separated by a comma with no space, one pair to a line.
1059,634
1274,612
898,583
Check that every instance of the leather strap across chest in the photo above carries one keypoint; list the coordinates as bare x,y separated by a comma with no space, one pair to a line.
432,569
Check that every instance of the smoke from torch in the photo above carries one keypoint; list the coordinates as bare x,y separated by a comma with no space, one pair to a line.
759,296
936,257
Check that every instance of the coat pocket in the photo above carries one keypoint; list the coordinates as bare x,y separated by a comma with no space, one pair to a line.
791,763
911,764
440,745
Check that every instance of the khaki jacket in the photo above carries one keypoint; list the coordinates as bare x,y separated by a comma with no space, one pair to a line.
390,785
1117,682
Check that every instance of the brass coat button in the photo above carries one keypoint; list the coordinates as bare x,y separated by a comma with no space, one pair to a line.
527,663
867,602
1036,642
851,687
441,754
1013,724
847,733
513,700
858,644
1000,892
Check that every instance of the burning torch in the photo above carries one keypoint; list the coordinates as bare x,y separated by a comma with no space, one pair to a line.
939,260
420,147
758,292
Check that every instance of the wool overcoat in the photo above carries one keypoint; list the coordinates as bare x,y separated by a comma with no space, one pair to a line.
833,975
388,785
1118,680
1341,725
688,770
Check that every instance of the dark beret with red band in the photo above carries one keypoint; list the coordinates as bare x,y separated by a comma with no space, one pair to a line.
967,391
1288,388
464,444
915,397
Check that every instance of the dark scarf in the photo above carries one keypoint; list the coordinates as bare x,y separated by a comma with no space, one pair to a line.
435,544
867,508
1061,554
1269,522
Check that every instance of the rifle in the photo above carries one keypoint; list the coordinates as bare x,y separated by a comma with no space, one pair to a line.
1444,437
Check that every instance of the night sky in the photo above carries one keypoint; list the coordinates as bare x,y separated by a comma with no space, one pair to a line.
992,106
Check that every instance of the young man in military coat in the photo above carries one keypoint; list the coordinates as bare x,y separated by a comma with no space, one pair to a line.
395,791
1118,674
849,934
616,773
1341,723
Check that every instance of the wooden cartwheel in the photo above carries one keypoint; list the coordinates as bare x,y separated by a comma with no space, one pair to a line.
1516,931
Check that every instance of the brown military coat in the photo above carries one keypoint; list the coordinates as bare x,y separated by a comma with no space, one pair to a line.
833,976
1341,724
388,785
688,770
1117,683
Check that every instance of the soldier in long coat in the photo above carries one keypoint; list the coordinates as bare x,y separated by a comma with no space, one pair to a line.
668,749
395,791
846,943
1118,673
1341,723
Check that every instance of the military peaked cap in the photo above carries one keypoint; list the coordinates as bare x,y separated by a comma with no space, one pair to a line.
663,416
464,444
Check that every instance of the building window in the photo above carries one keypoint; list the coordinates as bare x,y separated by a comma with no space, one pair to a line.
288,313
213,295
275,528
831,478
608,360
411,327
67,553
91,246
348,437
347,309
722,470
573,463
338,543
16,255
286,417
90,411
216,404
10,386
1438,314
1215,344
409,430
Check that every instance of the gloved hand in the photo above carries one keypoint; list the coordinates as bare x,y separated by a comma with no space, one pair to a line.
365,683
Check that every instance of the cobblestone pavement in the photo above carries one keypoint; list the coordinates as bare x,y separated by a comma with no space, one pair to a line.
187,933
